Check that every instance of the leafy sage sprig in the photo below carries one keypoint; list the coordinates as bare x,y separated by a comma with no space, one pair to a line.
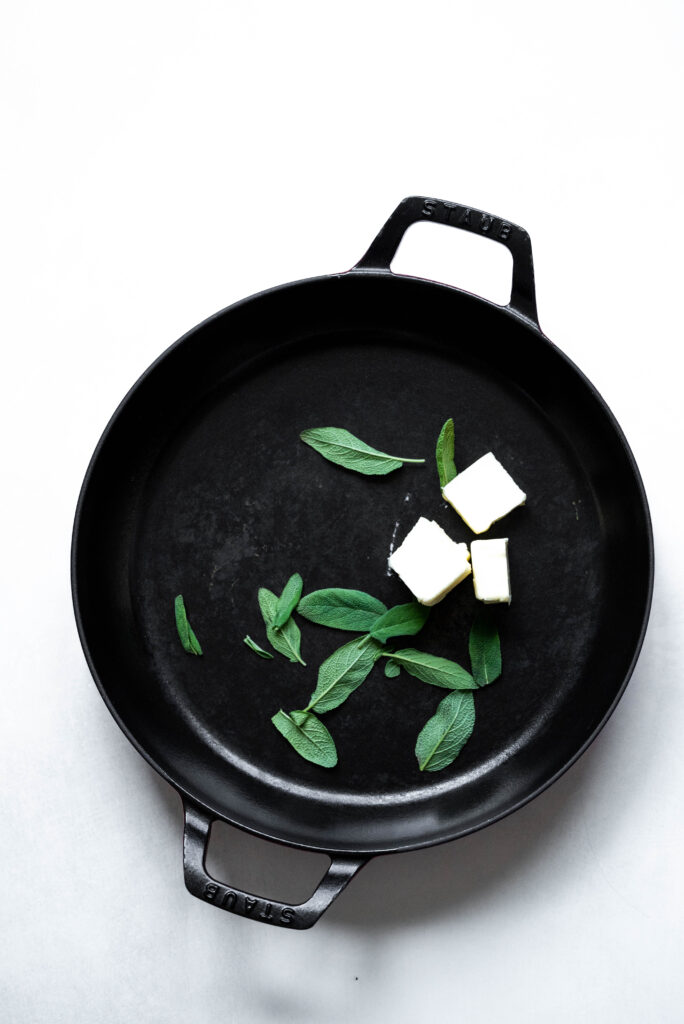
445,733
350,665
287,639
185,632
359,612
339,446
444,454
443,736
338,677
309,737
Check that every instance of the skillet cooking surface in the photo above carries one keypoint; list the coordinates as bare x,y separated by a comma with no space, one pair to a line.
202,487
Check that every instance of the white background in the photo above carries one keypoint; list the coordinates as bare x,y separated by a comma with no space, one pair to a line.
164,159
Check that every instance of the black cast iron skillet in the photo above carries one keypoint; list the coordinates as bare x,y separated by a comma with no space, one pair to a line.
200,486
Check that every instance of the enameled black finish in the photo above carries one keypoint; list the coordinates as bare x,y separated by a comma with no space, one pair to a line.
200,486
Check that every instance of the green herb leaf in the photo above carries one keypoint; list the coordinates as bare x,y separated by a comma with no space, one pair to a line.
342,673
185,632
308,736
446,467
267,604
443,736
485,649
402,620
288,600
287,640
341,447
392,670
342,609
434,670
253,646
182,624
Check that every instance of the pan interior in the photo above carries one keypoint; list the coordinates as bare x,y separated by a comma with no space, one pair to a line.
202,487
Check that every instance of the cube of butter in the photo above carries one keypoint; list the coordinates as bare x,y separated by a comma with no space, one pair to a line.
491,578
429,562
483,493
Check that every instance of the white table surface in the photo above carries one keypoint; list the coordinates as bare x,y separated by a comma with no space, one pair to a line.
163,160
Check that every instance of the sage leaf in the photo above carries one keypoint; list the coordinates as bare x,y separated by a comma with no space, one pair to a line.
308,736
286,640
402,620
182,624
341,447
443,736
484,647
342,609
267,605
185,632
444,453
288,600
194,642
392,670
342,673
253,646
429,668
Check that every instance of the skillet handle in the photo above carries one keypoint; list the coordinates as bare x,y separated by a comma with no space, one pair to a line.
200,883
416,208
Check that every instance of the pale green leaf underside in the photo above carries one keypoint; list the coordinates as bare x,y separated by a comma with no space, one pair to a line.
342,673
484,647
429,668
444,454
344,449
444,735
308,736
342,609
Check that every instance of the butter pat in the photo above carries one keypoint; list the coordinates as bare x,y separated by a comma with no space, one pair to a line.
490,571
429,562
483,493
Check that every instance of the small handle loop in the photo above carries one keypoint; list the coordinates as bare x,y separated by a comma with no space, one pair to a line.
198,881
417,208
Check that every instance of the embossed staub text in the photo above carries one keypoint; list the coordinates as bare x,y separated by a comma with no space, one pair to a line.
464,217
248,906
